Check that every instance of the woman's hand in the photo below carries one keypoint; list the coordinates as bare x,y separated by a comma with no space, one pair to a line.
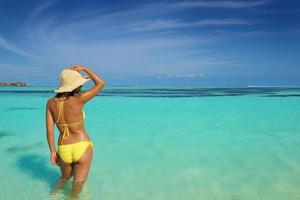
54,158
78,68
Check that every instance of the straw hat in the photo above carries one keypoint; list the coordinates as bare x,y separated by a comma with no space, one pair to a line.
70,80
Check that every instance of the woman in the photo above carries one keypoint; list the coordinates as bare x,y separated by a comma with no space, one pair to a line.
75,149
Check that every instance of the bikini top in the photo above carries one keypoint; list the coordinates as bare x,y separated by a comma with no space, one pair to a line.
66,131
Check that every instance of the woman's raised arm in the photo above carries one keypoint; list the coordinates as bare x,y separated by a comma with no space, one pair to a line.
99,83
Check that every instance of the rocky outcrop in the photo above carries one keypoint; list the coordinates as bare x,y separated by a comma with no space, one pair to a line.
13,83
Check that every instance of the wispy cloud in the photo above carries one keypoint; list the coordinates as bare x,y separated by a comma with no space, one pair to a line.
6,65
142,40
37,12
14,72
171,24
112,45
219,4
230,34
12,48
178,76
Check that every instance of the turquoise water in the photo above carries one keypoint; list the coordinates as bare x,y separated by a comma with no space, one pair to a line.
161,143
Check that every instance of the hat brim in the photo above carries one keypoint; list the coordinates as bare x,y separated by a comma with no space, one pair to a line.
73,86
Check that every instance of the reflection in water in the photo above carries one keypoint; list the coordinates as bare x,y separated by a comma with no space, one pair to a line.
19,108
178,92
5,134
15,149
38,167
283,95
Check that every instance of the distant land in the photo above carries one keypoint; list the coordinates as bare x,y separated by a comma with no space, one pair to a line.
20,83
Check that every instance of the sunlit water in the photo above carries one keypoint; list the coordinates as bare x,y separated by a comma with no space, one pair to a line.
161,143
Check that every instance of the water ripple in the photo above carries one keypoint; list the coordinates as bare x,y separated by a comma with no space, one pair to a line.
23,148
180,92
19,108
5,134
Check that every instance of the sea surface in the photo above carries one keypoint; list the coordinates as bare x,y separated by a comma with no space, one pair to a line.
161,143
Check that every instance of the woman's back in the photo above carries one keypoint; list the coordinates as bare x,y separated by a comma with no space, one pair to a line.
68,114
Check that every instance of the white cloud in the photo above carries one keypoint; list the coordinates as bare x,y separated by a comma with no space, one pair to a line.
13,72
178,76
12,48
35,14
6,65
150,25
110,42
219,4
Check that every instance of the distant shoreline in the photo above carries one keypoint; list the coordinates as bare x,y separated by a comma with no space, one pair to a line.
22,84
19,83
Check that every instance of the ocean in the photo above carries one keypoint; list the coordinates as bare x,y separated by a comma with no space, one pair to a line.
161,143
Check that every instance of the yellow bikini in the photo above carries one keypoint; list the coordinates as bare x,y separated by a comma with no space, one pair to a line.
71,152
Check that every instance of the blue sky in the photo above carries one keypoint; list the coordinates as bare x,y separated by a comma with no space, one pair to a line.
205,43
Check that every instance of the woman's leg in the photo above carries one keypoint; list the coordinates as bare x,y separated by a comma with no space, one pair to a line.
67,171
81,170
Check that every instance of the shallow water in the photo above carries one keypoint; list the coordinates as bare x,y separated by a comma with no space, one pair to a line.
161,143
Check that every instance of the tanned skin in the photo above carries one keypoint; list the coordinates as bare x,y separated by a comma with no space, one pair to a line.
73,106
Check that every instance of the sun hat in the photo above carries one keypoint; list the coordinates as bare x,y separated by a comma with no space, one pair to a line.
70,80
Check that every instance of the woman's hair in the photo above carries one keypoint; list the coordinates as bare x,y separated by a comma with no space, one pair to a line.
68,94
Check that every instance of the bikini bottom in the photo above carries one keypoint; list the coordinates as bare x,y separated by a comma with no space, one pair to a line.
73,152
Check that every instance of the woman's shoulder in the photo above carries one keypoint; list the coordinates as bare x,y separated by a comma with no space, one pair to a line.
51,100
54,100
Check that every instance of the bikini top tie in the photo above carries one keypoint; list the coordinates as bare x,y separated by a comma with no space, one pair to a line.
66,131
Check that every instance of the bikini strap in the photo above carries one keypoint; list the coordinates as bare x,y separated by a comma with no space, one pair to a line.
66,132
61,107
